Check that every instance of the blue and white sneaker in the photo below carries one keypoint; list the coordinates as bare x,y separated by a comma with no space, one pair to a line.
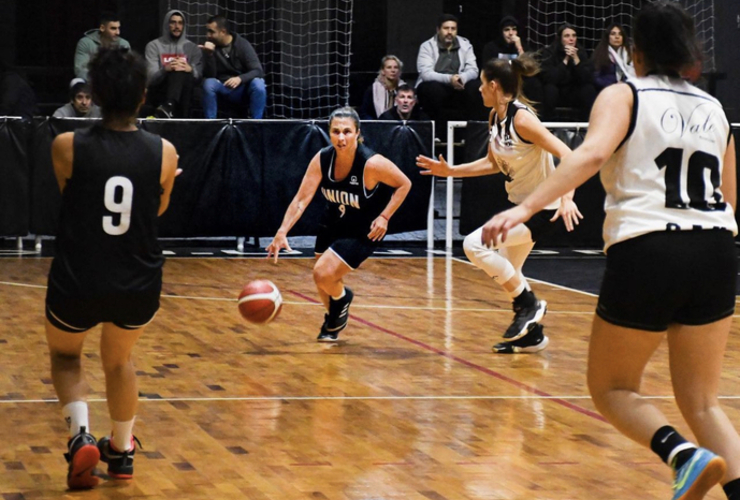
698,475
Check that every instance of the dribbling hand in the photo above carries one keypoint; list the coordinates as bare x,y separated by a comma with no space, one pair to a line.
278,242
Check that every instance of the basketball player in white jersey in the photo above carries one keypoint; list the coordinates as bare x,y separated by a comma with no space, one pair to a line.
667,163
522,149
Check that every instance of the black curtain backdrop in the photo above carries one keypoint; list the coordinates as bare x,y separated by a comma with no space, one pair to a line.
238,177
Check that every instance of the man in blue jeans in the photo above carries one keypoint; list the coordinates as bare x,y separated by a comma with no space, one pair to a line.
231,70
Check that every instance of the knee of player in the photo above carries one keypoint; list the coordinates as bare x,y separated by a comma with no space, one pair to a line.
472,245
321,273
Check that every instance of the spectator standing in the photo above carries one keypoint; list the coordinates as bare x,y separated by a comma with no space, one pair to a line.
232,71
448,80
405,107
108,34
509,45
612,58
80,103
567,74
381,95
173,68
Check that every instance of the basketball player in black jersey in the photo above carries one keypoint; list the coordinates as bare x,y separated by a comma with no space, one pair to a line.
115,181
362,191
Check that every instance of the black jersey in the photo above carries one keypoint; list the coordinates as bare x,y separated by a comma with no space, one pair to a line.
107,241
351,208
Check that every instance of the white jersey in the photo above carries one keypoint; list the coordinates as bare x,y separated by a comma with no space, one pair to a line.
666,174
525,165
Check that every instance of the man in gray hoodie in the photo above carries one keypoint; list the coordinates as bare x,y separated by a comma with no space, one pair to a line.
174,66
108,34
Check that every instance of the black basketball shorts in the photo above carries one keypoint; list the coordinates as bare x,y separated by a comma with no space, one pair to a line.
352,250
669,277
539,224
127,310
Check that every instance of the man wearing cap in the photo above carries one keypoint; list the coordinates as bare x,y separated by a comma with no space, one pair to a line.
80,103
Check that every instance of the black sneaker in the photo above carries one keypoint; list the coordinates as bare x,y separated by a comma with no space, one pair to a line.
525,319
120,463
164,111
534,341
337,319
82,456
325,335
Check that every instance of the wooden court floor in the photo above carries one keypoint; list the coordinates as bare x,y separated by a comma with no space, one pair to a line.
411,404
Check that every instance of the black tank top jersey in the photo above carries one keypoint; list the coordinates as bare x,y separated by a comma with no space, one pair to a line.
351,208
107,241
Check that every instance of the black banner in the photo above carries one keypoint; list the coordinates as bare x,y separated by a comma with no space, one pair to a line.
238,178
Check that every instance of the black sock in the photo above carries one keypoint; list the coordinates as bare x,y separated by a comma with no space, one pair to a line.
525,299
732,489
665,440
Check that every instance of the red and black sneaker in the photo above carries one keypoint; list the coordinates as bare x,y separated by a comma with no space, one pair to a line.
120,463
82,456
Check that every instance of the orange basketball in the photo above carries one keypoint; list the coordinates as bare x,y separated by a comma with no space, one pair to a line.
260,301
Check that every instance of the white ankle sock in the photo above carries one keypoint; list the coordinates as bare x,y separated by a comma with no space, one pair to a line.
518,290
122,435
75,413
344,292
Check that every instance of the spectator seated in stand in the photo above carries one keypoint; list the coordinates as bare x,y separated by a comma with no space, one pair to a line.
567,74
173,67
17,98
448,84
233,73
612,58
405,107
80,103
509,45
380,96
108,34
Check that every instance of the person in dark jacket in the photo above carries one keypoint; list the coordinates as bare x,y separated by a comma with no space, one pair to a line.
231,70
173,68
405,107
568,74
17,98
509,45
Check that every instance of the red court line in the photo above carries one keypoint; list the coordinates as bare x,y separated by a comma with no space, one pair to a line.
470,364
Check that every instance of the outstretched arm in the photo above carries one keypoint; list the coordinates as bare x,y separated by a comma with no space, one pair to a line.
300,202
381,170
440,168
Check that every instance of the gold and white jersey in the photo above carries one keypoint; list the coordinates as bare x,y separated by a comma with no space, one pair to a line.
525,164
